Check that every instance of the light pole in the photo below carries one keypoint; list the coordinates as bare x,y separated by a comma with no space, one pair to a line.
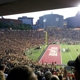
44,23
57,20
45,38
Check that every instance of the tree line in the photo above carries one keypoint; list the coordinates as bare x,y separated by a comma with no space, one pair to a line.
17,27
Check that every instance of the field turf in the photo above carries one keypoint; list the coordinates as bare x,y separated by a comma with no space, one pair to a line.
72,54
66,56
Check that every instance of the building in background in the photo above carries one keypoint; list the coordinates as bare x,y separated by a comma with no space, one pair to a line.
46,21
35,27
73,22
26,20
50,20
10,21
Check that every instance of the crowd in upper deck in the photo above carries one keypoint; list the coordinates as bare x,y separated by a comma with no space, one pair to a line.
14,43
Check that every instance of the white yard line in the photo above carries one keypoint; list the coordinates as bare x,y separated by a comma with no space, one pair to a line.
60,54
69,54
75,50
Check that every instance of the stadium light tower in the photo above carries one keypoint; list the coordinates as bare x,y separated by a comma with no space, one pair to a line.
46,38
44,21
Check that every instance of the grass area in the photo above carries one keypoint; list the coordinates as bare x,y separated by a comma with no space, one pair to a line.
35,53
66,56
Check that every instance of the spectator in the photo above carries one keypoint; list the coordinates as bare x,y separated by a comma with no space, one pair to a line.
76,64
39,75
48,75
21,73
2,68
54,77
2,77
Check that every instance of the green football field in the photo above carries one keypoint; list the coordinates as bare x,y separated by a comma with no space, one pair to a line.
72,54
65,56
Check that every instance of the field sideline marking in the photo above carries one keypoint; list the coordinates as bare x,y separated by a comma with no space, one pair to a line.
44,54
60,54
74,49
69,54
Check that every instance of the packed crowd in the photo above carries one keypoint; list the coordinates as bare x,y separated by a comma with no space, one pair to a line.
42,72
14,43
64,35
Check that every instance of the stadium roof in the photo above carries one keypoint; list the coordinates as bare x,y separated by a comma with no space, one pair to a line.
8,7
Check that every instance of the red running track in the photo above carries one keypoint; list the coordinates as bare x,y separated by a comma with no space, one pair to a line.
52,54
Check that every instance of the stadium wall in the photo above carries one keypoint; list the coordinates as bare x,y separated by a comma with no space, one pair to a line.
51,20
73,22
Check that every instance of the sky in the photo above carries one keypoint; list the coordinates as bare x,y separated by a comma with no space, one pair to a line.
66,12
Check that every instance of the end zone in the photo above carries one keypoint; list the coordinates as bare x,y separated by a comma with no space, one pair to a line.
52,54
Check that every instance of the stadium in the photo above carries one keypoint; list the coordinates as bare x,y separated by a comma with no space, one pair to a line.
41,51
44,49
38,48
65,47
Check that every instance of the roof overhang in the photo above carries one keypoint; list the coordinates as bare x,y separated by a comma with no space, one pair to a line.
8,7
